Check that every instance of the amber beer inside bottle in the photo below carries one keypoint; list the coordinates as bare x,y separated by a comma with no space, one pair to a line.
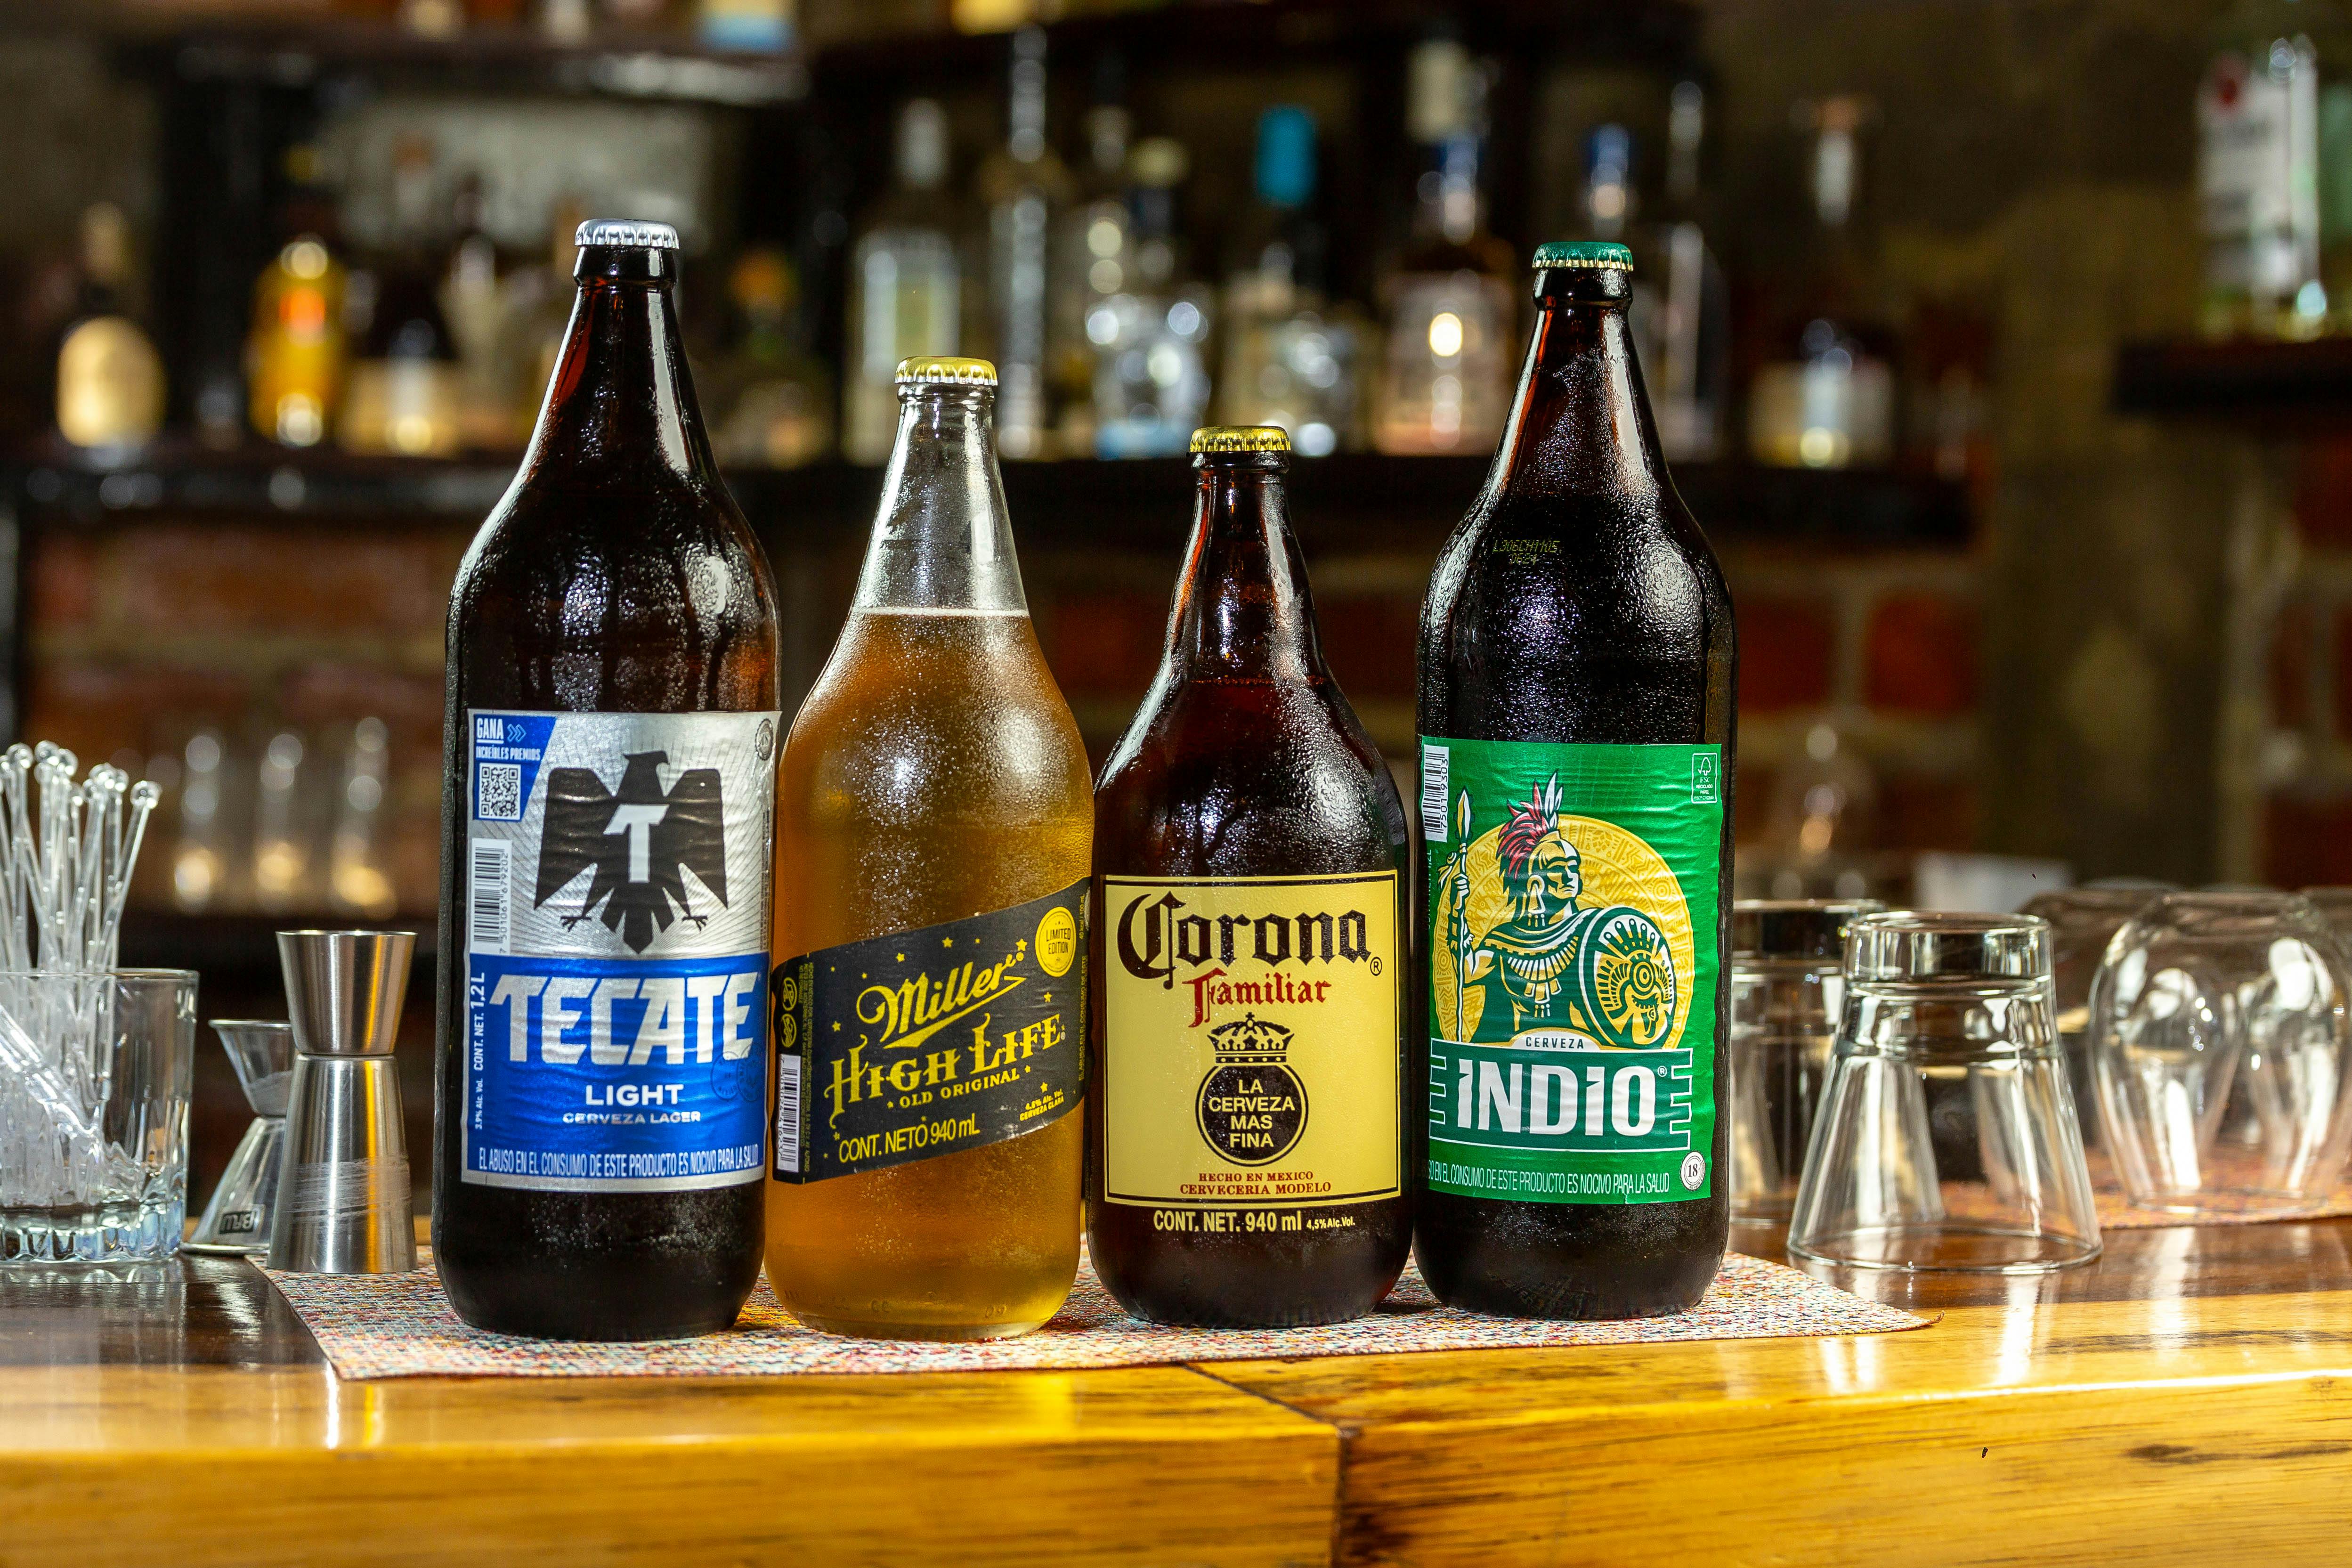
616,577
1246,799
934,775
1578,604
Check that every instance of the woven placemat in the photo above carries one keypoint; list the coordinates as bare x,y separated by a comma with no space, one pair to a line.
2117,1211
400,1325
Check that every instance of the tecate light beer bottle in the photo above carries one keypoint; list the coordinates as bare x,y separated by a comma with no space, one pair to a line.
933,828
1578,666
606,813
1246,1163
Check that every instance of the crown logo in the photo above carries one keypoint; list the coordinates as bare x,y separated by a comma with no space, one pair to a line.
1250,1039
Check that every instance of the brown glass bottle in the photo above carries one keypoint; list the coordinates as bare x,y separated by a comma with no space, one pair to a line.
1247,951
1578,670
604,904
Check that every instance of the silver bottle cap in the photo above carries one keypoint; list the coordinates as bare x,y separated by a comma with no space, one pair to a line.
626,232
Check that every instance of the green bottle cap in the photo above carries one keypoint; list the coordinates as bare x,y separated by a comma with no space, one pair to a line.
1585,253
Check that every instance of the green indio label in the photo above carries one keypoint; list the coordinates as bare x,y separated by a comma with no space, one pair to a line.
1574,895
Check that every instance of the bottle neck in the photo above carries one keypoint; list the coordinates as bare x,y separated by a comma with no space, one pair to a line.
622,397
1579,422
942,541
1243,608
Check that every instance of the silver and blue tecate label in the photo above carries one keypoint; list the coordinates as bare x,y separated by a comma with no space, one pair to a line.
617,919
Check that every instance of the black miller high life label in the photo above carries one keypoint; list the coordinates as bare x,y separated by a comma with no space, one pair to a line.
923,1043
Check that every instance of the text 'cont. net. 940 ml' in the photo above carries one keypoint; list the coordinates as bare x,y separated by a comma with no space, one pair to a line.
934,826
610,735
1578,668
1247,1165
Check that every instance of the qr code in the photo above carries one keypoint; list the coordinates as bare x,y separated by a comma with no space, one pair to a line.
498,791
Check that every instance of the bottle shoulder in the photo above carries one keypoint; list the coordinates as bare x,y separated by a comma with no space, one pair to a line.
1247,778
930,716
660,554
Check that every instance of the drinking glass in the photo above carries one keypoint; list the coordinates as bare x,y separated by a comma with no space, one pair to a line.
94,1076
1786,958
2082,920
1948,1137
2222,1052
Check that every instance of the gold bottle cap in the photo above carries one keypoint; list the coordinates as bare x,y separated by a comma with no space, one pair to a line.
1241,439
937,372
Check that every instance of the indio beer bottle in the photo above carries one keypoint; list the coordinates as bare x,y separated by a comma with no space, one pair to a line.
611,753
933,828
1578,669
1246,1164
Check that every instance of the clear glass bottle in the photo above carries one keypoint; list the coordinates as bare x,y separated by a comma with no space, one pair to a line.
934,835
1151,374
1025,186
1288,361
906,284
774,397
1094,260
474,302
1681,314
1445,379
1826,399
2260,111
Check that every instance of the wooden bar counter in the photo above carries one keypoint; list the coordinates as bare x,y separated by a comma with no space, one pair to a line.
2187,1398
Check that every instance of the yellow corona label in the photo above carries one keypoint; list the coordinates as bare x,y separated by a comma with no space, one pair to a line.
1250,1041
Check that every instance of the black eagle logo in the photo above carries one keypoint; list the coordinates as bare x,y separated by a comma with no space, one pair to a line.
641,841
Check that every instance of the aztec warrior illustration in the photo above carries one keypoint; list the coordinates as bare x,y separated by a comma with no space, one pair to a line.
1601,977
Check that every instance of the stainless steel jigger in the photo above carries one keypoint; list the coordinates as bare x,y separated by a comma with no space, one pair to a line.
237,1220
342,1204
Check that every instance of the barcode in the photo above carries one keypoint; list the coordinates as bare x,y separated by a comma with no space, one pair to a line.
486,896
1437,765
788,1112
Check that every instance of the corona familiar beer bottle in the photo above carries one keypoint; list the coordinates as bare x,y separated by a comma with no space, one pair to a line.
1246,1160
611,745
934,826
1578,665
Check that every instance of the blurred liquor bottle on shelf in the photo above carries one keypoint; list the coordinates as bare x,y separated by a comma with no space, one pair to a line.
405,386
281,857
1681,309
1821,821
746,26
1025,186
1444,383
474,302
538,307
566,21
906,284
433,18
1288,361
200,858
358,881
1825,398
110,378
771,401
2264,109
1151,371
296,355
1094,258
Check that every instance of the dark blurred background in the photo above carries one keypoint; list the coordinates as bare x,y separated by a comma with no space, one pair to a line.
1992,340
